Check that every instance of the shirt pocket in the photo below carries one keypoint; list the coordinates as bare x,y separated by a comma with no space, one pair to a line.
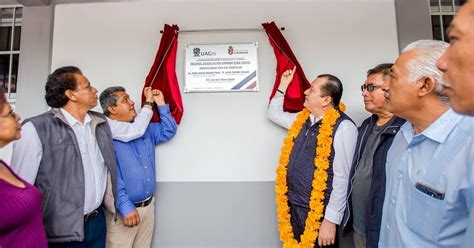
59,141
425,214
59,145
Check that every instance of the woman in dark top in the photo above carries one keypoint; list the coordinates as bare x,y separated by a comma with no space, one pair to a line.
21,224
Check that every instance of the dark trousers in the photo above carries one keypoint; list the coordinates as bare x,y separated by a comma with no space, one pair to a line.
94,234
298,222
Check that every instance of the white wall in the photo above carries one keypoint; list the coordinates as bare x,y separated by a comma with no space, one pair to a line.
225,136
35,60
413,21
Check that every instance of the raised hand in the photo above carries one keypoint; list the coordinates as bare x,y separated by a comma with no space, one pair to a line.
158,97
286,78
147,91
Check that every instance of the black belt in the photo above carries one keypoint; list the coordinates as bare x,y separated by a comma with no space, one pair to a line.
143,203
91,215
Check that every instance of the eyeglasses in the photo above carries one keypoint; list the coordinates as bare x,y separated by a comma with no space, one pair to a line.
369,87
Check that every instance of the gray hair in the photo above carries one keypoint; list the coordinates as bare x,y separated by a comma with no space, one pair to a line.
423,64
108,98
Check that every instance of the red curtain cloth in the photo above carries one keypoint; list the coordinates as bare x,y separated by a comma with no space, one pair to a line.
162,74
294,96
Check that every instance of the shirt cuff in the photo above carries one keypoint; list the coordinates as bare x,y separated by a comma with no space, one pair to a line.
333,216
150,111
278,101
164,109
126,208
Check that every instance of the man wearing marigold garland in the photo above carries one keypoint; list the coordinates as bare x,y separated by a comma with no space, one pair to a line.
316,158
430,177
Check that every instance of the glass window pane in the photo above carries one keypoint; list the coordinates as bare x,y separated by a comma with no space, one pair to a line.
9,26
14,73
434,5
447,5
436,27
6,17
4,62
18,15
457,5
447,19
5,38
17,38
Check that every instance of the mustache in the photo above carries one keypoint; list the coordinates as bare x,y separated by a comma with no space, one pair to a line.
444,85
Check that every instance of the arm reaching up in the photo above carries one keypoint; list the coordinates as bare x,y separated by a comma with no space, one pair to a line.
275,109
125,131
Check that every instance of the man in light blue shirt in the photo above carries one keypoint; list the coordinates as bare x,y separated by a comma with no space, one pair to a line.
430,177
458,67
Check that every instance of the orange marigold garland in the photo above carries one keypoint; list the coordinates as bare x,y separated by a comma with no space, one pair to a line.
321,163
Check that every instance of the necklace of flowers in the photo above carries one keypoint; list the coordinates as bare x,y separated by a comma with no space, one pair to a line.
321,163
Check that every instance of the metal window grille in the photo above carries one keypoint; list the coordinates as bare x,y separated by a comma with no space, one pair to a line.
442,13
10,36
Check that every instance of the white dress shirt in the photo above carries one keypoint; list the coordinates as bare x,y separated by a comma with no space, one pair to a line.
345,140
28,152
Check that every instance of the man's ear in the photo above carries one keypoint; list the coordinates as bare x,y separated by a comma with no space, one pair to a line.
327,101
111,110
70,95
426,85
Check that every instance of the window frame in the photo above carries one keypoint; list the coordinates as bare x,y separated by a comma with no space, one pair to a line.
14,23
440,13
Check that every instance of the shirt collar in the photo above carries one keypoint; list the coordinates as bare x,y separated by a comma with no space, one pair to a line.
73,121
314,119
437,131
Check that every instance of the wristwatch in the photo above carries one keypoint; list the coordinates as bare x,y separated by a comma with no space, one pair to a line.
151,104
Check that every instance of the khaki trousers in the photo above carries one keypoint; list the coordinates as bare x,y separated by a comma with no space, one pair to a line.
121,236
359,240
